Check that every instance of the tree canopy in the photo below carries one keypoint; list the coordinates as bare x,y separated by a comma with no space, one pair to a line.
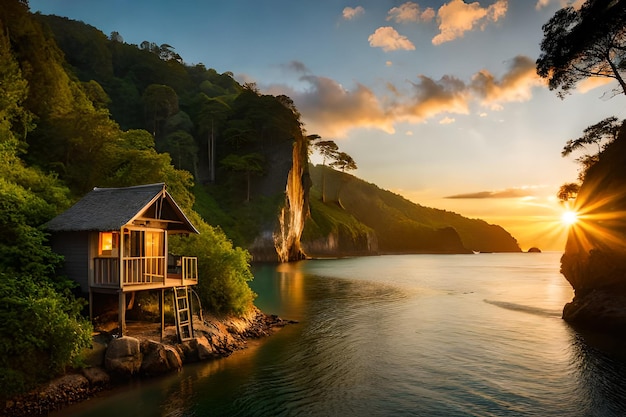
583,43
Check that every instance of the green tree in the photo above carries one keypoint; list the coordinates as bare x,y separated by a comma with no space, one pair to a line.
249,165
183,150
160,102
344,162
224,270
583,43
329,150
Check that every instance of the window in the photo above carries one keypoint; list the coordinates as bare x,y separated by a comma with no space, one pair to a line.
108,244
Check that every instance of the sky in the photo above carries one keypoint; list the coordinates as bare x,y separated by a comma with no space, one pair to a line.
437,101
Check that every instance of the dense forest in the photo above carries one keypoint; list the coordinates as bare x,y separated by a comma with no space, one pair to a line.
59,138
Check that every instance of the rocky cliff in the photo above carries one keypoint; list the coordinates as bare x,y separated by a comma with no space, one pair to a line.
279,239
594,261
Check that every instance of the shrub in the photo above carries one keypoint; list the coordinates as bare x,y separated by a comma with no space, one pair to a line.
42,332
224,270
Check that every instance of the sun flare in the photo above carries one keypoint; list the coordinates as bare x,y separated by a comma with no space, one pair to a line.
569,217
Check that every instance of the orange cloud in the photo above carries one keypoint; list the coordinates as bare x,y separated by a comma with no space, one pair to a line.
350,13
457,17
576,4
410,12
507,193
430,97
515,85
389,39
333,110
591,83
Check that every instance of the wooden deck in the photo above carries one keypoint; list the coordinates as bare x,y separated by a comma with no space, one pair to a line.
140,274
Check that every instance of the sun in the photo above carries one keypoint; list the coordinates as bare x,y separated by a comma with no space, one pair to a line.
569,217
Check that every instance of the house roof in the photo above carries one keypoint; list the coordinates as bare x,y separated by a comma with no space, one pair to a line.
106,209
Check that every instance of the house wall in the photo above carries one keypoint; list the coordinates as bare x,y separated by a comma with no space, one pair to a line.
74,247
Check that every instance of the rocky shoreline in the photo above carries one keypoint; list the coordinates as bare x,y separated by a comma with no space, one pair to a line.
141,353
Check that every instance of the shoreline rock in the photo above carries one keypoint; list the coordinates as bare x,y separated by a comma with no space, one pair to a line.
141,354
598,310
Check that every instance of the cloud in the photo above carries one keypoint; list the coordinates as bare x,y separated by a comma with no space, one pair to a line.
457,17
333,110
507,193
588,84
410,12
389,39
515,85
430,98
350,13
446,121
576,4
297,66
330,109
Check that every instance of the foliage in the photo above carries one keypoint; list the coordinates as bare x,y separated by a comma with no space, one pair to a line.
344,162
583,43
42,329
328,149
568,191
42,332
601,134
248,165
224,269
604,131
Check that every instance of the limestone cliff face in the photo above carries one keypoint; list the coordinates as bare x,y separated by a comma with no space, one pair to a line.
594,261
293,214
279,239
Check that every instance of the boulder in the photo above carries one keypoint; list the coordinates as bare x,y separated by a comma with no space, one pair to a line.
205,349
597,310
97,377
123,357
159,359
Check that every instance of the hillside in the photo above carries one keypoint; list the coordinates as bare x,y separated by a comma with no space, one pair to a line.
358,218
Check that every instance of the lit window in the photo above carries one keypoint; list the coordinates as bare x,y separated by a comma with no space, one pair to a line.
108,243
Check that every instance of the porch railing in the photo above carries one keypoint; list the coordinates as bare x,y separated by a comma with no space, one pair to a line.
189,268
141,270
106,272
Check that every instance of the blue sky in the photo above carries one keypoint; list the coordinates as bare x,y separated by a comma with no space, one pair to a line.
433,99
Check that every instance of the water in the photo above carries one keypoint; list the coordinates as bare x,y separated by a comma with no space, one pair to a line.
410,335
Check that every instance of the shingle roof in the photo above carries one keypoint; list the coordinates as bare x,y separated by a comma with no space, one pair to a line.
105,209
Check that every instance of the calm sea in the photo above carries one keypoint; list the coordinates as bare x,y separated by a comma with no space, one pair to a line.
409,335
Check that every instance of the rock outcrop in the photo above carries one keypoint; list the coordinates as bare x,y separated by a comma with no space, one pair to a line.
123,357
594,261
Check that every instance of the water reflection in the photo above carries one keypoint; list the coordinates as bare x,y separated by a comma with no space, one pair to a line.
600,371
425,336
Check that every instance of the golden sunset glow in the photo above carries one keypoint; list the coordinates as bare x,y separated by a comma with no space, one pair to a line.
569,217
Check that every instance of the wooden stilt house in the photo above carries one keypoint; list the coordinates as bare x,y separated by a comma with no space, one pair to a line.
115,241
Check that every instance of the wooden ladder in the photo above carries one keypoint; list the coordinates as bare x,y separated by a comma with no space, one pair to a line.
182,309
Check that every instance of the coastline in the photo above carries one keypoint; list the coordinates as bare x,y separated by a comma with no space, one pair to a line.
215,337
